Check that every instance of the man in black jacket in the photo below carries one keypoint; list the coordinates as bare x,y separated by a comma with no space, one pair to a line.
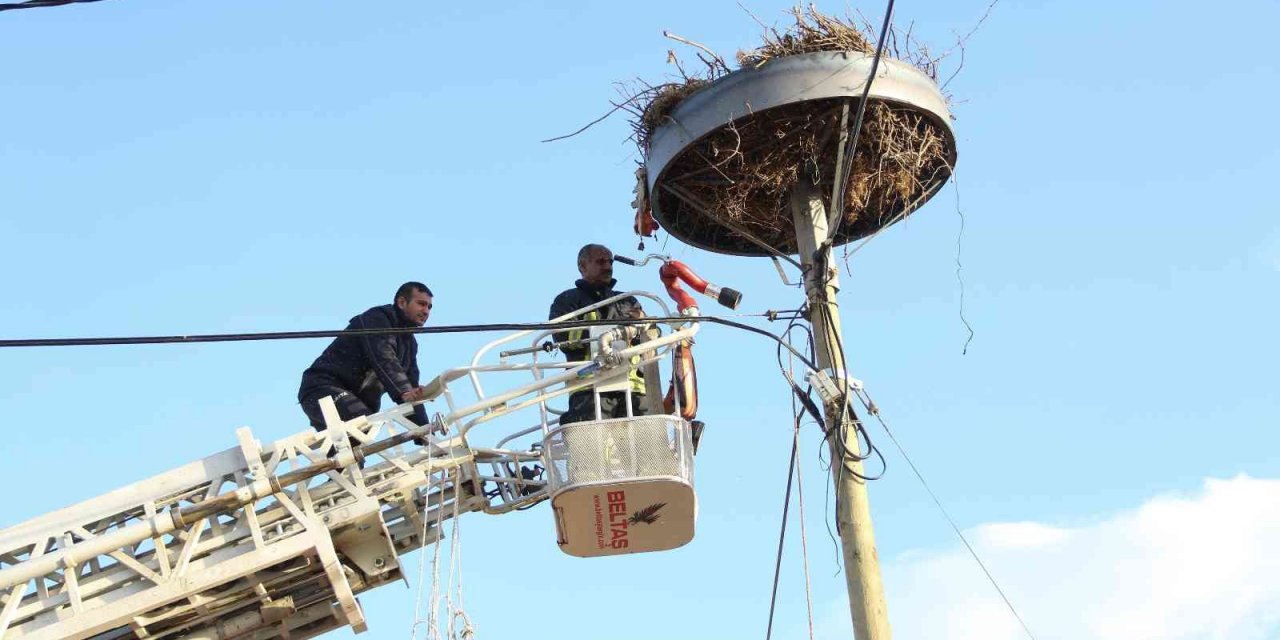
595,263
356,370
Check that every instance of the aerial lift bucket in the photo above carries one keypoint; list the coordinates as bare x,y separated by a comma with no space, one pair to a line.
623,485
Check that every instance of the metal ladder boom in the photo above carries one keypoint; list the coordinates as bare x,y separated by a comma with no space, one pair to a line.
261,562
260,543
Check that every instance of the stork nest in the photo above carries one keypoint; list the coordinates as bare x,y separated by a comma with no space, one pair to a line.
741,176
811,33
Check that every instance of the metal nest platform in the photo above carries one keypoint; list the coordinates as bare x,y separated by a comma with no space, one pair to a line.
723,164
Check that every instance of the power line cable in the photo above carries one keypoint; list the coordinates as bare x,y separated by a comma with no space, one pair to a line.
865,398
440,329
839,366
804,536
839,361
803,396
821,260
798,410
837,206
808,404
782,533
35,4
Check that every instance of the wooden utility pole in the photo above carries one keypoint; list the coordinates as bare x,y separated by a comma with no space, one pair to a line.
853,510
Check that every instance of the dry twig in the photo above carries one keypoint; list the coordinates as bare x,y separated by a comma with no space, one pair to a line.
743,173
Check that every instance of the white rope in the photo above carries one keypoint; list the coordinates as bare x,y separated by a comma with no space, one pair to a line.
456,623
433,616
460,627
422,566
432,631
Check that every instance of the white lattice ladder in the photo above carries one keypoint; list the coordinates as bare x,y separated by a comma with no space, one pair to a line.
276,542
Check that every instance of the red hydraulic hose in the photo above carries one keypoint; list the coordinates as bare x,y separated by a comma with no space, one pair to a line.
684,382
674,271
684,375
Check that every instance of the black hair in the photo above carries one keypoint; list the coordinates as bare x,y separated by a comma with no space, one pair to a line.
407,290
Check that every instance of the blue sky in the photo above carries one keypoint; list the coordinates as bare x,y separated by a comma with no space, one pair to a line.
210,167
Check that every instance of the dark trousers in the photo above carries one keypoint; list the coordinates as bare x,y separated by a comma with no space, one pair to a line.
613,404
349,406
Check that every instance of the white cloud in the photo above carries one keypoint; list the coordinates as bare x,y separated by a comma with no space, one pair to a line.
1199,567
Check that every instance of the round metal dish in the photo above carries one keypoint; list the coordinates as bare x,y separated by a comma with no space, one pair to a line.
808,89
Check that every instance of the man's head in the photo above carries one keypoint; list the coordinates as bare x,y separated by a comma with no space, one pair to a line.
414,301
595,263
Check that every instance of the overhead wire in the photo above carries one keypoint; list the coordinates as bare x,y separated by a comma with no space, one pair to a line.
35,4
804,536
782,532
838,434
836,215
872,409
439,329
838,364
826,508
798,410
802,396
820,262
806,401
863,396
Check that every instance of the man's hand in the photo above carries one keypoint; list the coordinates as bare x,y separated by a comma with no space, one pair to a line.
630,309
414,395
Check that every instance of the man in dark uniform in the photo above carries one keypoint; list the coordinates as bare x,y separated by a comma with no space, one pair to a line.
356,370
595,264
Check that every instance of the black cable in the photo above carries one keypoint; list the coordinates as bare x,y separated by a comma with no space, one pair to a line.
460,328
811,407
848,456
821,261
826,508
848,416
852,143
840,432
34,4
803,396
782,534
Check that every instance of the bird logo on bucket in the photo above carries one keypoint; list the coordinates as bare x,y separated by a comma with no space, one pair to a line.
647,515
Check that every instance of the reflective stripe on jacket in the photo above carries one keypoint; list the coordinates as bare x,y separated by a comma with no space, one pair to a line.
585,294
